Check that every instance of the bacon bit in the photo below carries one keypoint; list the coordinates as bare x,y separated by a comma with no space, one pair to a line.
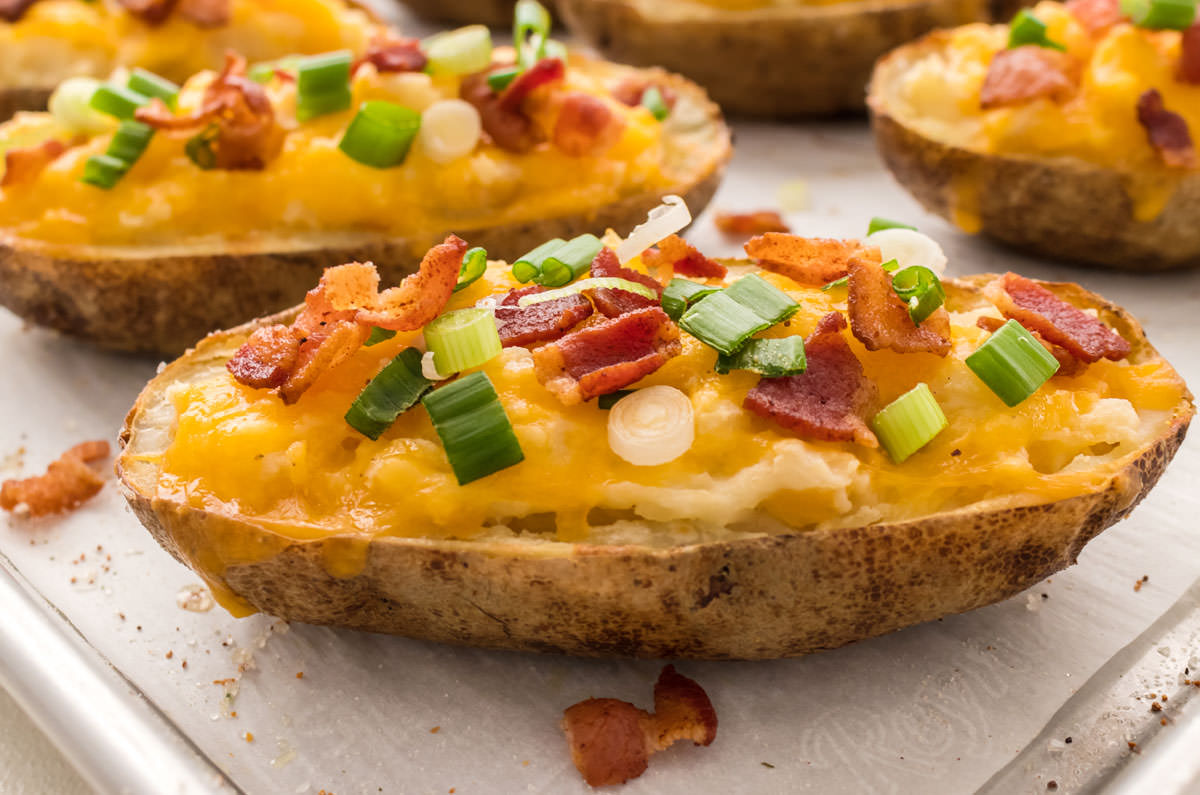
514,296
827,401
1096,16
607,356
756,223
586,126
392,54
1040,310
615,302
275,351
1068,365
605,263
13,10
23,164
611,741
1137,586
67,483
683,258
879,319
1167,131
542,322
545,71
1025,73
206,13
1189,59
152,12
509,130
422,295
248,136
808,260
631,90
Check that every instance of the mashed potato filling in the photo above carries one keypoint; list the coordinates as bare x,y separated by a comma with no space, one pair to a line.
302,471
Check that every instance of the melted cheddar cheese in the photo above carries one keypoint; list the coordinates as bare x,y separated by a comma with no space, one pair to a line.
939,97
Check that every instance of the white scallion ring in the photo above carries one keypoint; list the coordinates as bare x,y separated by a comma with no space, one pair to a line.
909,247
651,426
665,219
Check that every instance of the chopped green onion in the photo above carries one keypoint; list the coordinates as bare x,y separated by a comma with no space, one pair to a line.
380,134
501,78
530,265
323,84
606,402
310,106
1012,363
763,298
474,263
130,140
773,358
152,85
117,101
531,29
921,291
379,335
462,339
103,171
1028,29
460,52
199,148
475,431
569,261
610,282
394,391
879,224
264,72
909,423
888,266
1160,14
652,100
680,293
720,322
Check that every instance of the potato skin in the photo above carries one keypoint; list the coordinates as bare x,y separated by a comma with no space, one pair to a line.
493,13
22,98
758,598
163,300
1060,208
775,62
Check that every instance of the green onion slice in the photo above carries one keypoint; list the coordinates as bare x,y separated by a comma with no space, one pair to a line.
460,52
909,423
531,29
721,322
1028,29
318,74
680,293
117,101
152,85
462,339
475,431
380,134
130,140
569,261
763,298
611,282
313,105
199,148
379,335
394,391
888,266
530,265
1160,14
878,224
474,263
606,402
773,358
264,71
921,291
501,78
103,171
652,100
1012,363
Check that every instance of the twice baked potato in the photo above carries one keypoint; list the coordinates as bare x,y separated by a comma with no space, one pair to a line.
774,58
223,219
44,42
749,529
1063,154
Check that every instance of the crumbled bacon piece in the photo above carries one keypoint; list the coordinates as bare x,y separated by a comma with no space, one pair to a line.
67,483
829,400
247,135
611,741
605,263
1027,72
514,296
541,322
1038,309
586,126
510,130
607,356
205,13
422,295
879,318
683,258
150,11
544,72
393,54
613,302
13,10
1068,365
807,260
756,223
631,90
274,351
1167,131
22,164
1189,58
1096,16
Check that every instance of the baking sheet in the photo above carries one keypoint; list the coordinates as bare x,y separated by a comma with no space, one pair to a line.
947,706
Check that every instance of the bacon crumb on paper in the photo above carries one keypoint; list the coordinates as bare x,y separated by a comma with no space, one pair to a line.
67,483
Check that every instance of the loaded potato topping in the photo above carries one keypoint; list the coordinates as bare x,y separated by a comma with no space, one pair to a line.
410,136
1113,83
621,391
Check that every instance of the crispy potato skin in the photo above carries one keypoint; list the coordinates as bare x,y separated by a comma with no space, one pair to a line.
759,598
777,62
22,98
1060,208
162,301
493,13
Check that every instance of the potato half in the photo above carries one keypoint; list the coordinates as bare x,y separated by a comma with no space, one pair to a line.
494,13
1062,207
163,299
745,597
778,60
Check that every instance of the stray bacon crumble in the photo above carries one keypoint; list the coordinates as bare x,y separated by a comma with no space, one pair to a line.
752,223
67,483
611,741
